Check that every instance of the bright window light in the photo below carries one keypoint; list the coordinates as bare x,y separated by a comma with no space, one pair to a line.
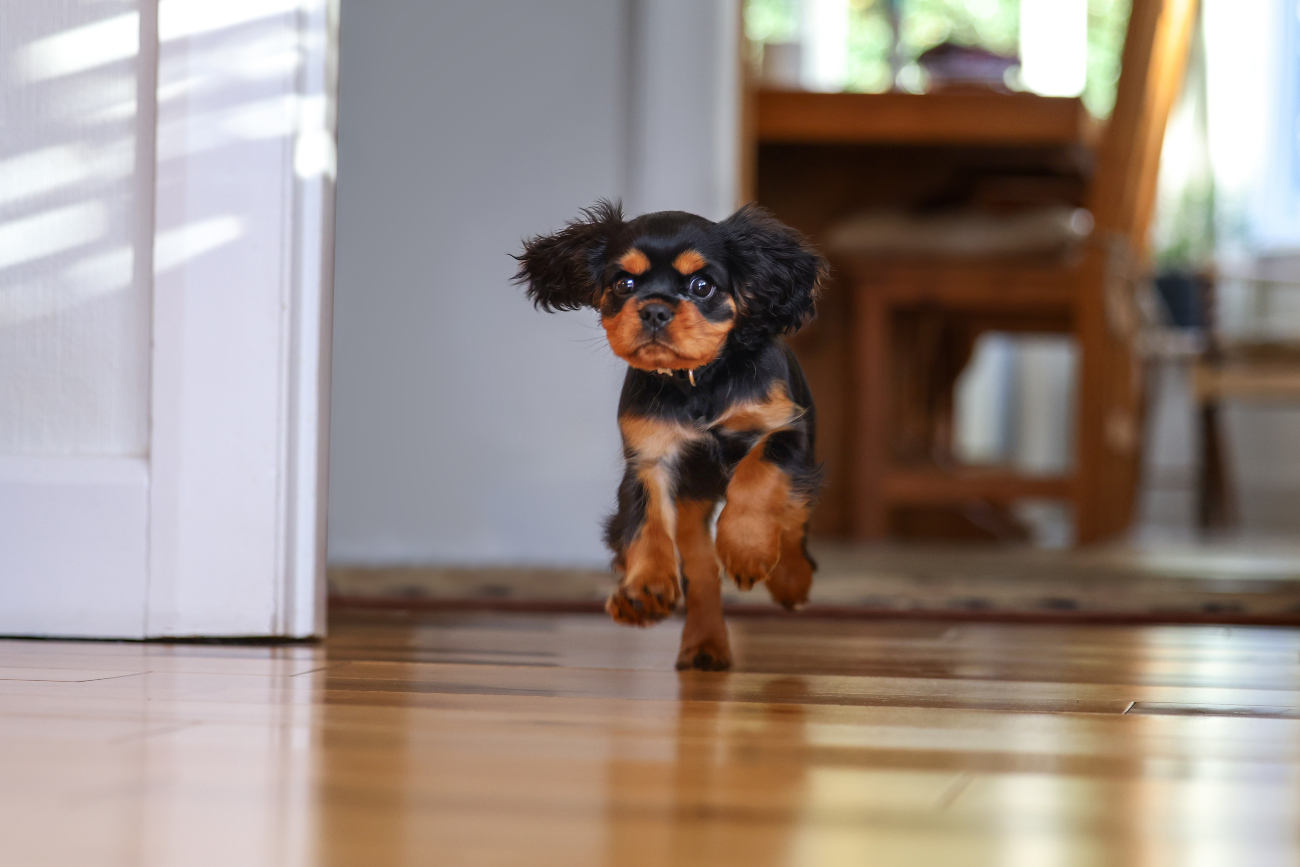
825,26
1054,46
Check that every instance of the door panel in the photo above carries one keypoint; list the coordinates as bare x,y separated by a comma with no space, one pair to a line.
215,528
73,546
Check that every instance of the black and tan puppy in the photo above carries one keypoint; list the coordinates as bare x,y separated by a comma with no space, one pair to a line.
714,406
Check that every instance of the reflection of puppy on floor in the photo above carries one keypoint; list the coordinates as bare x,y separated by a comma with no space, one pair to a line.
714,404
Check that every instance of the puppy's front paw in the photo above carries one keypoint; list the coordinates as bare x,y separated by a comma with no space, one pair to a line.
748,547
644,600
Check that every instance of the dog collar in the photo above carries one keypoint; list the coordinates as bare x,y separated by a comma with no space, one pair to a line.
664,371
679,375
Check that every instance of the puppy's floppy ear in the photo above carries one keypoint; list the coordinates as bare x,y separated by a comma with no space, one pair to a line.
562,271
777,273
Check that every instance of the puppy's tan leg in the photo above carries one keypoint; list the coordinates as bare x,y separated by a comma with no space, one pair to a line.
704,638
761,506
791,580
649,591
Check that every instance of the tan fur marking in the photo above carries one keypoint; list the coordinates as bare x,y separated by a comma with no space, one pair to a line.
759,507
653,439
792,578
689,261
690,340
650,589
694,540
697,340
773,413
759,489
624,331
704,637
652,556
634,262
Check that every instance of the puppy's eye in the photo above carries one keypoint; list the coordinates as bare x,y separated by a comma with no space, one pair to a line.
624,284
700,288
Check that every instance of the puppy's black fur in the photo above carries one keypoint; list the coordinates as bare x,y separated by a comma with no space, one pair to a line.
714,404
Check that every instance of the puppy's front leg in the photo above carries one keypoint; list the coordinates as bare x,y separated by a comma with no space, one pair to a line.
641,534
761,529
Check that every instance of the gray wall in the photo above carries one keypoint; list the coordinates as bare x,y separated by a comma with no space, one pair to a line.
468,428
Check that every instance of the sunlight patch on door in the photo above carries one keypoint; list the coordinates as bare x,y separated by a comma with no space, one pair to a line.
80,49
51,232
175,247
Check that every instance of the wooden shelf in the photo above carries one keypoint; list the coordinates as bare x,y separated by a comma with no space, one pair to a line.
958,118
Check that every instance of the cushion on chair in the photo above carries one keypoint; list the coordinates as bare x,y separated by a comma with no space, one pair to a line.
1040,231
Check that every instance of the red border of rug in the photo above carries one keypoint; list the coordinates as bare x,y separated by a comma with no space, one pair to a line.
831,612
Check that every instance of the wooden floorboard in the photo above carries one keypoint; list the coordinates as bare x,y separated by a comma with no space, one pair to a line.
464,738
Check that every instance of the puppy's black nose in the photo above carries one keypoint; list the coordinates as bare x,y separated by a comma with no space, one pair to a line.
656,315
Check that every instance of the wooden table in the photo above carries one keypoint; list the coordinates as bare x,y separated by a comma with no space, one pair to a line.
961,118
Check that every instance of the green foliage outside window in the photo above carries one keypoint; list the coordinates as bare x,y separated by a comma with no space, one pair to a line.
991,24
772,20
1107,24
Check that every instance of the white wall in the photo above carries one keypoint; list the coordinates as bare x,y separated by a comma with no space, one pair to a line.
467,427
75,229
684,107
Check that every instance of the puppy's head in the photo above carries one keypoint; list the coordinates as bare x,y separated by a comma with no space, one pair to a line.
673,289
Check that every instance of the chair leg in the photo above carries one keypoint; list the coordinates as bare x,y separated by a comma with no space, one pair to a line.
953,357
869,458
1216,508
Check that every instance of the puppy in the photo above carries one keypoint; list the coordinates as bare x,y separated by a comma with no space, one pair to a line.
714,405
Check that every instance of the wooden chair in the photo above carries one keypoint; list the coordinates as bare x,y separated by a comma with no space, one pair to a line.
1255,368
915,320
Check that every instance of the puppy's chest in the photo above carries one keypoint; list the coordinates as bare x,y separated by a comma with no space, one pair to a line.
653,436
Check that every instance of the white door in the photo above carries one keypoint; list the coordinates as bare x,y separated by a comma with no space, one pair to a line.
165,221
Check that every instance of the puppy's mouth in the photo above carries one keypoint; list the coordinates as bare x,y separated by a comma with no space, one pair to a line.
658,351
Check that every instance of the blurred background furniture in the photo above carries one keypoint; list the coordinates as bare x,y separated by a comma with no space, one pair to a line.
1257,366
965,188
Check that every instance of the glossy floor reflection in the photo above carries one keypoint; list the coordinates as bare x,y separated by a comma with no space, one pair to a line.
540,740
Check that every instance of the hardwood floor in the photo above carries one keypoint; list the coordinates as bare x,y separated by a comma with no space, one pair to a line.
483,739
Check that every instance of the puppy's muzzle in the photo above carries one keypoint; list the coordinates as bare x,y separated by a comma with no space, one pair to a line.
655,316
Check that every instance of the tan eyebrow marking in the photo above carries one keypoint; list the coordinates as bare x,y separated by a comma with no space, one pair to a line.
689,261
634,262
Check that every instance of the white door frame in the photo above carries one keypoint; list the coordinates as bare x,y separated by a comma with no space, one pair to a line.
219,530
